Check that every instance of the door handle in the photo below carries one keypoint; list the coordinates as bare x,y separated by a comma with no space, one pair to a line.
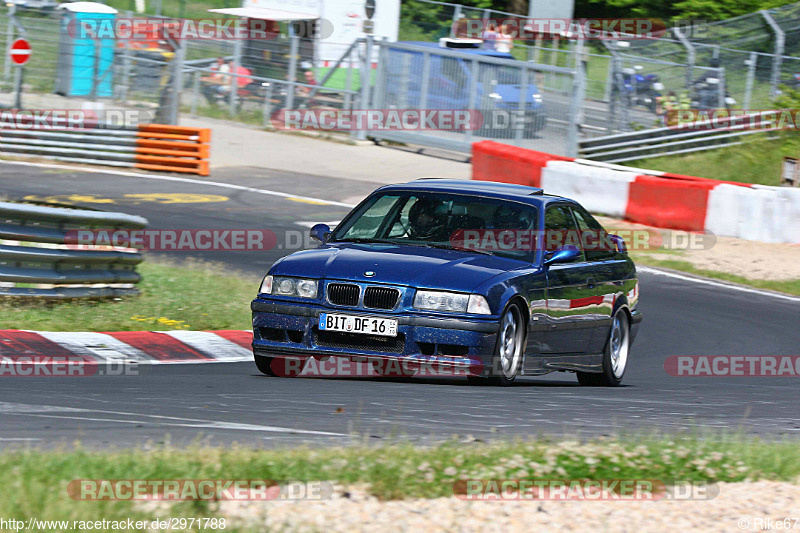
590,283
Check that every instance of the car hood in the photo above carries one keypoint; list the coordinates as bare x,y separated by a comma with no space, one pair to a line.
397,265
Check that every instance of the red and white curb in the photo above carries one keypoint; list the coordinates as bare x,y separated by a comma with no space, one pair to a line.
154,347
654,198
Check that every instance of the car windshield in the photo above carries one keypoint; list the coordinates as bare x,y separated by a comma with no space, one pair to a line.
472,223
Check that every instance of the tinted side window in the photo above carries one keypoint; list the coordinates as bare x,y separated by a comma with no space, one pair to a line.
560,229
594,239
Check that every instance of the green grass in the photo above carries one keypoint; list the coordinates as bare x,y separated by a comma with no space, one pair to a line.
36,481
190,296
788,286
757,161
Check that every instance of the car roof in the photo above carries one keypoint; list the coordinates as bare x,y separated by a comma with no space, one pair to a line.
475,51
492,189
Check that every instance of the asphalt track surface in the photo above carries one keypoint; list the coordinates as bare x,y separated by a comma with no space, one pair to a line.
221,403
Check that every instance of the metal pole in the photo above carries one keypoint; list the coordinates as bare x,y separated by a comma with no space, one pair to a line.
780,40
195,92
575,107
177,82
691,56
751,75
519,122
18,87
472,103
234,81
95,70
267,112
292,75
721,89
366,74
12,9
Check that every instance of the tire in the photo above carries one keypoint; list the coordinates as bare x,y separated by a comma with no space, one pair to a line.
507,357
615,355
268,367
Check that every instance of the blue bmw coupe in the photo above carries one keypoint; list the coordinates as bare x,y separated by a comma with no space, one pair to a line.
498,280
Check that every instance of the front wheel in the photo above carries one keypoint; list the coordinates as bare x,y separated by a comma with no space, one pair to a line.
279,367
507,358
615,355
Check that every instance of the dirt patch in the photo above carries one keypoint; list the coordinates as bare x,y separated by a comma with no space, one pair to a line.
737,507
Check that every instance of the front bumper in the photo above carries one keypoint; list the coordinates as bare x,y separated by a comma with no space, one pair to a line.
283,328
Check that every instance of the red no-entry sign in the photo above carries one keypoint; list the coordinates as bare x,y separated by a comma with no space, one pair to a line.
20,51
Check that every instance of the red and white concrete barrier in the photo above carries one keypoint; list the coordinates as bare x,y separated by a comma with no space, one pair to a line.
660,199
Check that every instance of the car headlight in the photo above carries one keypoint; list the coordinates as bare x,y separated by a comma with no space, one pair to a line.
280,286
451,302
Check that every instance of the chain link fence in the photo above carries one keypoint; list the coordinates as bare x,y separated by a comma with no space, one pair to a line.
623,84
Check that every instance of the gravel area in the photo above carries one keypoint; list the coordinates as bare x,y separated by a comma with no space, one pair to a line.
738,507
749,259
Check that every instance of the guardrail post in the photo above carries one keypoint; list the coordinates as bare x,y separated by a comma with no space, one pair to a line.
780,41
267,111
365,75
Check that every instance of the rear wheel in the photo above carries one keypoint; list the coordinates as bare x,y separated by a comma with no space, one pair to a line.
615,355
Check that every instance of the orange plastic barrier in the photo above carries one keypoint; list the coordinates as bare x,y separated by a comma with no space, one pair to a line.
171,148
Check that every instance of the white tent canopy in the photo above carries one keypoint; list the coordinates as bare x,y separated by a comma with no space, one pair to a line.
87,7
264,13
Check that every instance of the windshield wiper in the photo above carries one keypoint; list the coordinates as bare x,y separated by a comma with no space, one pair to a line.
366,240
448,247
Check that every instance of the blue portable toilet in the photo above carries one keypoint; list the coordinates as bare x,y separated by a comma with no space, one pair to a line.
86,59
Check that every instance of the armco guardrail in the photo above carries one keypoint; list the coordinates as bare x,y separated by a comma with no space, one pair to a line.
660,199
34,251
150,146
680,139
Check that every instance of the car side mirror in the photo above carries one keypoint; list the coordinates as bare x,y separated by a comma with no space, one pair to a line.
320,232
565,254
619,242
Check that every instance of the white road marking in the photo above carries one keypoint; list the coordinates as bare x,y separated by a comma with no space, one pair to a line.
704,281
38,411
179,180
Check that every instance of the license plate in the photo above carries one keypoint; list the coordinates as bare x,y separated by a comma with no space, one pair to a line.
367,325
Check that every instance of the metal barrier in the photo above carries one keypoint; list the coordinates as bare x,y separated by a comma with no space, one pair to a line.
673,140
38,260
149,146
